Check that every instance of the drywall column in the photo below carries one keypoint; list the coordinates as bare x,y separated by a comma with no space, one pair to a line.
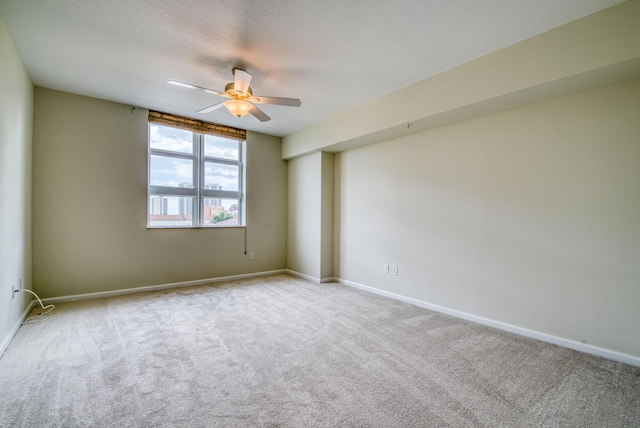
16,123
326,220
310,216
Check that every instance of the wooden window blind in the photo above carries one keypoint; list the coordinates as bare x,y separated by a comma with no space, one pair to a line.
197,125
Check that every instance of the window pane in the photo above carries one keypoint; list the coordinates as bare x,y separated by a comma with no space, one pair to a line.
172,172
219,176
183,167
221,147
171,211
221,212
172,139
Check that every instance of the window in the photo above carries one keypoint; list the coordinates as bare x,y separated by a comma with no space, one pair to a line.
196,179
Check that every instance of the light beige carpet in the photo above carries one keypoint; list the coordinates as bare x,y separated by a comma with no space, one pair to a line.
283,352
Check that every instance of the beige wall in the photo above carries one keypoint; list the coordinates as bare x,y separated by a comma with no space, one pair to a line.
530,217
16,118
89,187
304,214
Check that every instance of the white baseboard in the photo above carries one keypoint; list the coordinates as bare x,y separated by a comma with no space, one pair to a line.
311,278
101,294
567,343
7,340
304,276
560,341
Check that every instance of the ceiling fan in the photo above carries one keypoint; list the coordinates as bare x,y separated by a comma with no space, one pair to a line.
241,97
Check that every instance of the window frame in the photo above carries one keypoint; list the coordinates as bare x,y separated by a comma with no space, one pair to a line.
198,192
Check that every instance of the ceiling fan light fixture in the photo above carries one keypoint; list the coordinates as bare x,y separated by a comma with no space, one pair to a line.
238,108
241,100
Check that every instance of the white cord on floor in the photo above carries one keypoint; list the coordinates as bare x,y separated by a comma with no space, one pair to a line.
40,316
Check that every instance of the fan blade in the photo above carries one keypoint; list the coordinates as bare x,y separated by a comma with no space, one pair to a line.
291,102
190,86
241,80
211,108
259,114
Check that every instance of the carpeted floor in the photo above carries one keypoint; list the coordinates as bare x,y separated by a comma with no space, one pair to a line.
282,352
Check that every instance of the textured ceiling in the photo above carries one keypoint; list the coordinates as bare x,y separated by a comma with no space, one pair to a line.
333,55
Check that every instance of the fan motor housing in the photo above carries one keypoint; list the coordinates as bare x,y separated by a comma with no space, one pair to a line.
230,89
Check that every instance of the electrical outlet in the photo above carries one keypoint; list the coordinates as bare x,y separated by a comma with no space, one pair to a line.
14,290
250,255
394,270
385,268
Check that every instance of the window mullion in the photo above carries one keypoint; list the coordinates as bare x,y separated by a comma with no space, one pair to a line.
222,161
176,191
241,198
197,179
168,154
225,194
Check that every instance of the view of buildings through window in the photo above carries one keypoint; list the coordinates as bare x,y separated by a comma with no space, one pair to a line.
195,180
